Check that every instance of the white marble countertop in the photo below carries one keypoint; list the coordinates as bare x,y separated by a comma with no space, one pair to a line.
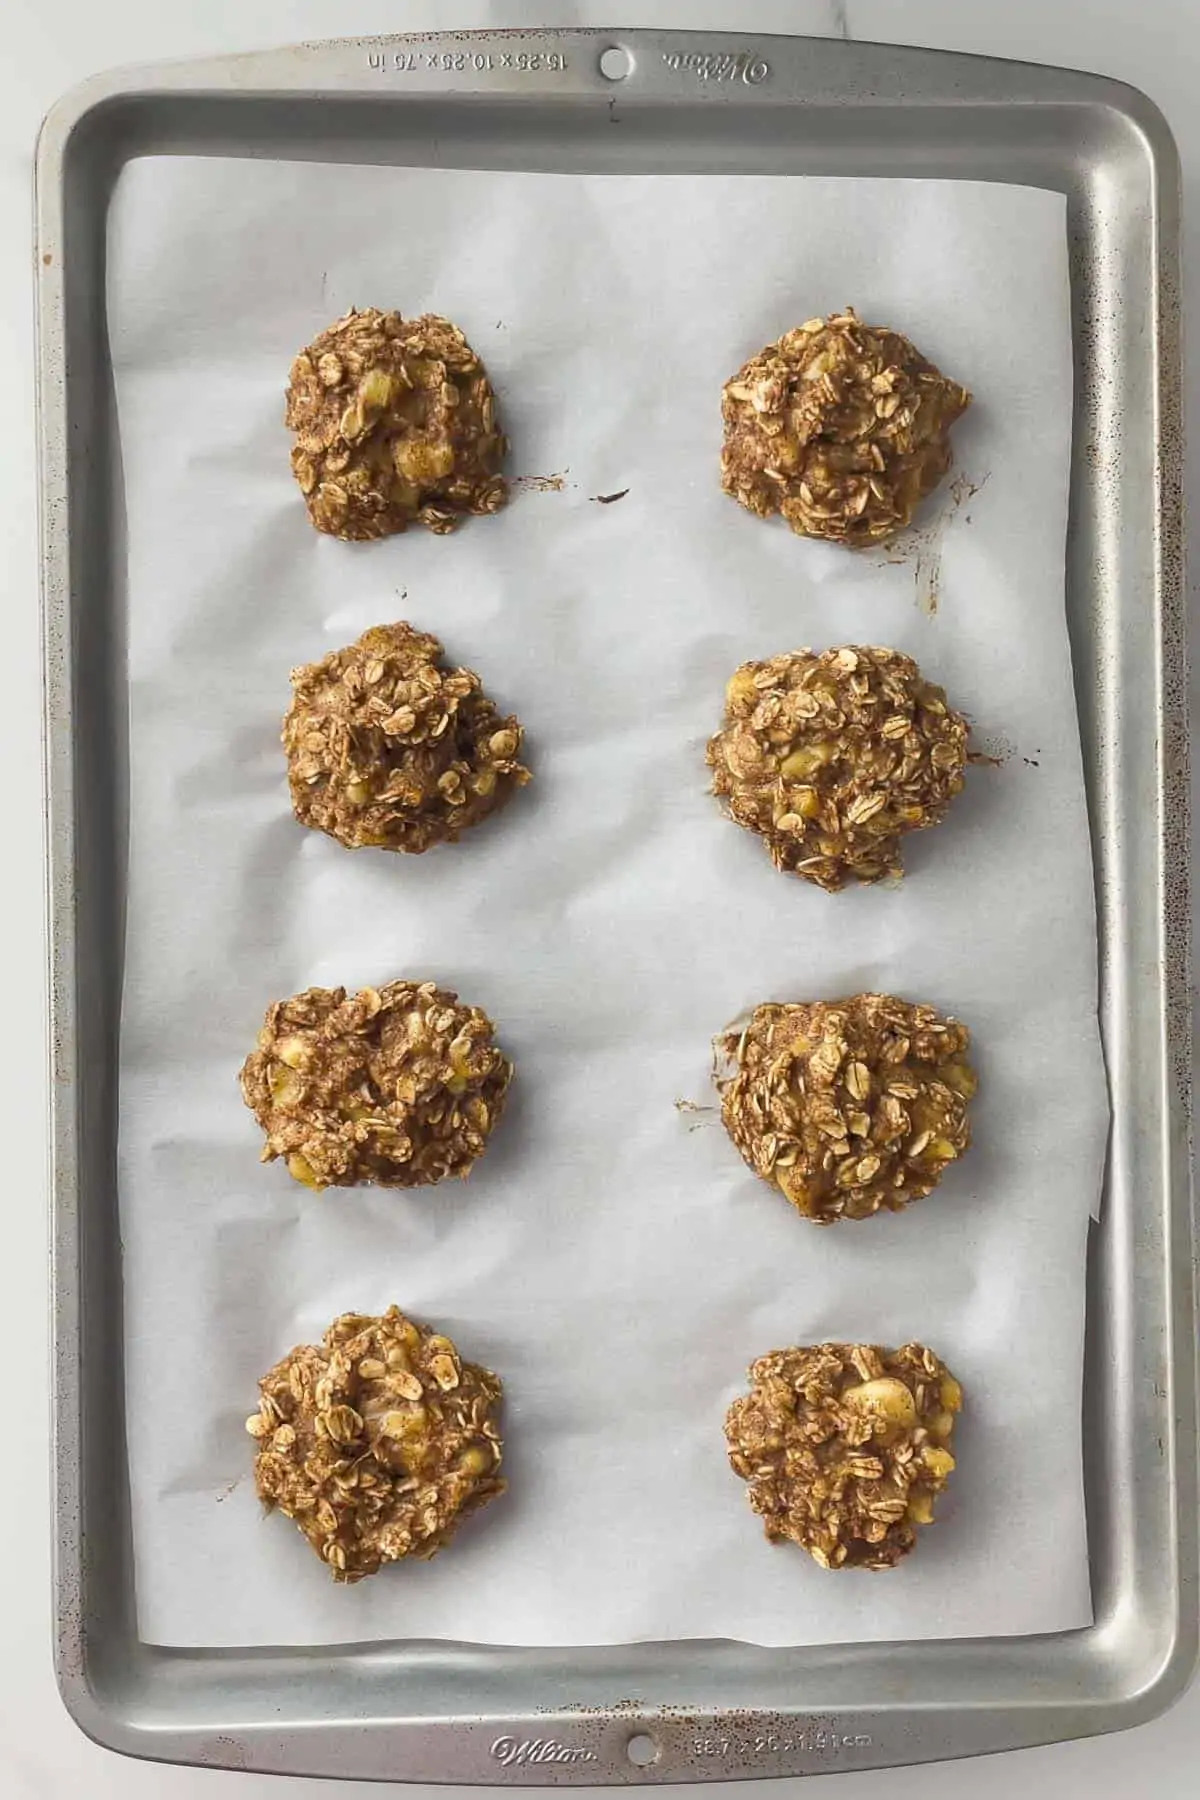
47,46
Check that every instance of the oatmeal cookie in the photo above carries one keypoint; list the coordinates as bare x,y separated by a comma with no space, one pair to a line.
831,758
841,427
387,746
395,425
848,1107
398,1086
378,1442
844,1447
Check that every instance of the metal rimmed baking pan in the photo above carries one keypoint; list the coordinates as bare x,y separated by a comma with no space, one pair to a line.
695,103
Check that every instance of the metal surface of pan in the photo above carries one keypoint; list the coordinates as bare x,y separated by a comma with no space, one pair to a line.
633,101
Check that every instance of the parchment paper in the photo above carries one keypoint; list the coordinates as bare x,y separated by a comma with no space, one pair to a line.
611,1257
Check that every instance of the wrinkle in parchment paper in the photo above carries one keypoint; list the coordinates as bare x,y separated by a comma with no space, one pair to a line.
618,1268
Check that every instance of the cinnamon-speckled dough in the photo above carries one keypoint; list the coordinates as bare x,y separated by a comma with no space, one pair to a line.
377,1442
841,428
395,424
843,1448
388,746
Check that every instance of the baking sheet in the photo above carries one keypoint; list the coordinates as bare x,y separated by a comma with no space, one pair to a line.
611,1257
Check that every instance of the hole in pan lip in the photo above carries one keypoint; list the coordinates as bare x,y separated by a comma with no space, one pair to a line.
615,63
642,1750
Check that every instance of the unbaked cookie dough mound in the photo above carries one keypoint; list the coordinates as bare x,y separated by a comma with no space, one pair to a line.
848,1107
844,1448
841,427
377,1442
387,746
395,425
831,758
399,1086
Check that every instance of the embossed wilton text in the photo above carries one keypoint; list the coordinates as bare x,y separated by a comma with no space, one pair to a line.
737,65
512,1752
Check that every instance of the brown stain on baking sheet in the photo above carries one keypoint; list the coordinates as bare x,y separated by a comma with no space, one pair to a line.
963,488
920,546
223,1752
701,1115
929,575
994,748
540,484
